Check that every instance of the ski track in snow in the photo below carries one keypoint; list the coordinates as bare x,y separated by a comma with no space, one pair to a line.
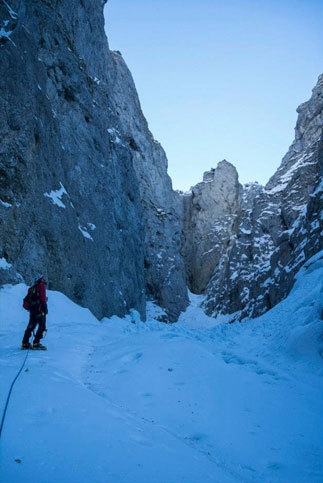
198,401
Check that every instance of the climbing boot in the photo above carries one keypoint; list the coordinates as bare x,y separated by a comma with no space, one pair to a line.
38,346
25,346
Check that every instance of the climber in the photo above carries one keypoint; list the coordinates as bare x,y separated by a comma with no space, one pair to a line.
36,303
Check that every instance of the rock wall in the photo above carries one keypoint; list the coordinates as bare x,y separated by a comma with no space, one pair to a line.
211,210
164,266
297,187
274,228
74,147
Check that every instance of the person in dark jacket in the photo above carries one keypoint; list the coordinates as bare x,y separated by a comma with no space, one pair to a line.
37,314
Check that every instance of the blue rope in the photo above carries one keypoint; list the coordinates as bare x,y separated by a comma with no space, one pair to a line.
9,393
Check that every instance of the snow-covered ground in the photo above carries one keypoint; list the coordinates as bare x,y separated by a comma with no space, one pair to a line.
199,401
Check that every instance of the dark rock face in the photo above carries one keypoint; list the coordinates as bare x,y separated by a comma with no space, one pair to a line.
297,188
164,267
276,228
72,196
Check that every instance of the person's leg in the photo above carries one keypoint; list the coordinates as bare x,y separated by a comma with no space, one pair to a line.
41,329
30,327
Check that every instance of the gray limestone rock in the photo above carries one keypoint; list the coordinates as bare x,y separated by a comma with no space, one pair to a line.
278,227
85,195
211,210
164,266
245,264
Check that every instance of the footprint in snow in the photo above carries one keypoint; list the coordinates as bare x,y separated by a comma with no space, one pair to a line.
254,365
196,437
132,357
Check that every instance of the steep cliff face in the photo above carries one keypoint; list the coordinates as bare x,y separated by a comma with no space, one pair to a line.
297,187
164,266
271,231
72,204
235,286
211,209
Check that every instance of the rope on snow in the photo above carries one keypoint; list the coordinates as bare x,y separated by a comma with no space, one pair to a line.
10,390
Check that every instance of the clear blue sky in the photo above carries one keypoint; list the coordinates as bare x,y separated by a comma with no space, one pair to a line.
220,79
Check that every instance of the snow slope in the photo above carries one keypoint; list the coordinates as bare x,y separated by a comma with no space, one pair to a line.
199,401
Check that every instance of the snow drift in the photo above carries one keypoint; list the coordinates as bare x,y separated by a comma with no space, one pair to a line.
200,401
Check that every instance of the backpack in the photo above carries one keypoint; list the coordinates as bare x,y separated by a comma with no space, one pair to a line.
31,300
